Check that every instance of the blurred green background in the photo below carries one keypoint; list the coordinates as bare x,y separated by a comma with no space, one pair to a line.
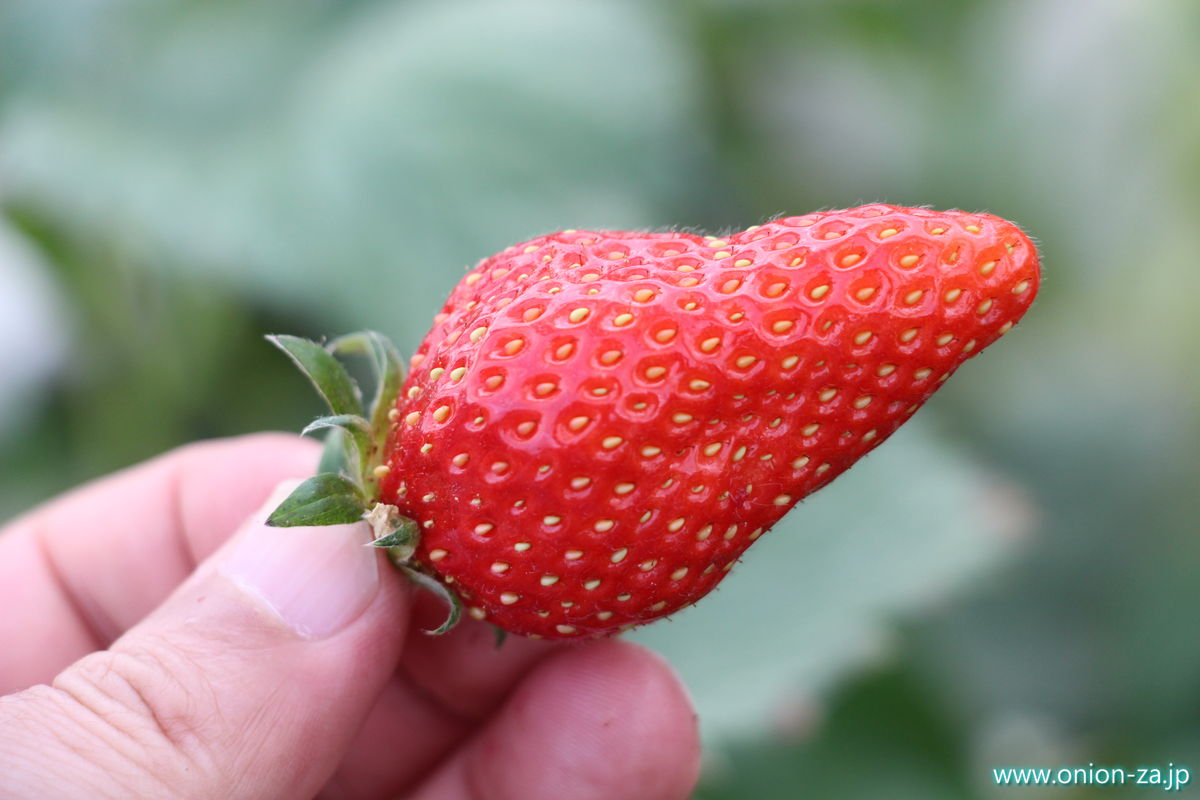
1011,580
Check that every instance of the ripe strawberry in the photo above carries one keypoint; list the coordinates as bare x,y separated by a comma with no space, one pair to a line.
600,423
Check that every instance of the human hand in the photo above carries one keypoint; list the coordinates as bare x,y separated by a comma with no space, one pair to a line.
142,655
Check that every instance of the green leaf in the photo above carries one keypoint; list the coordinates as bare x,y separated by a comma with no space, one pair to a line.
403,536
333,453
351,423
328,376
394,531
386,365
321,500
454,605
355,442
388,372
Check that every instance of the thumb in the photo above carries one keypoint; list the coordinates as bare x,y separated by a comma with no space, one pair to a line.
250,681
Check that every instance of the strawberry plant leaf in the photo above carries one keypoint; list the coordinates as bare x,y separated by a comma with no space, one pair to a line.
454,605
327,375
207,189
323,499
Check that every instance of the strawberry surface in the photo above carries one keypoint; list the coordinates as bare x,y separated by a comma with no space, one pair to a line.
601,422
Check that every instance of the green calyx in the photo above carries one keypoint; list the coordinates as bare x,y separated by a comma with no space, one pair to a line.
346,488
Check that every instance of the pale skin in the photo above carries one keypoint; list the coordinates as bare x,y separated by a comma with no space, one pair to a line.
137,660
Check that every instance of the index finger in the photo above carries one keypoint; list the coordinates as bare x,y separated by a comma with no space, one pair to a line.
77,572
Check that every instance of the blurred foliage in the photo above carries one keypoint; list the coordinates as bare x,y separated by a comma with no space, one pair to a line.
1019,585
888,716
332,161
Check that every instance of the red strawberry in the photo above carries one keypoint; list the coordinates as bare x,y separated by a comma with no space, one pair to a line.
600,423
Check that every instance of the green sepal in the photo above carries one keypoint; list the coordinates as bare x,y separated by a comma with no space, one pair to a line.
500,634
403,536
397,538
333,454
325,372
454,605
386,366
324,499
396,533
355,441
351,423
387,369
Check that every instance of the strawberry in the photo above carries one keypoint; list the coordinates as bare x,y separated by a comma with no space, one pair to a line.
600,423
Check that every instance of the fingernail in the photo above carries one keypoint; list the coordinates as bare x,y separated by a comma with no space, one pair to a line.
317,580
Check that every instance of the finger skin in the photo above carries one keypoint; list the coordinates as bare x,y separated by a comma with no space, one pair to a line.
79,571
465,671
445,687
600,721
243,684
